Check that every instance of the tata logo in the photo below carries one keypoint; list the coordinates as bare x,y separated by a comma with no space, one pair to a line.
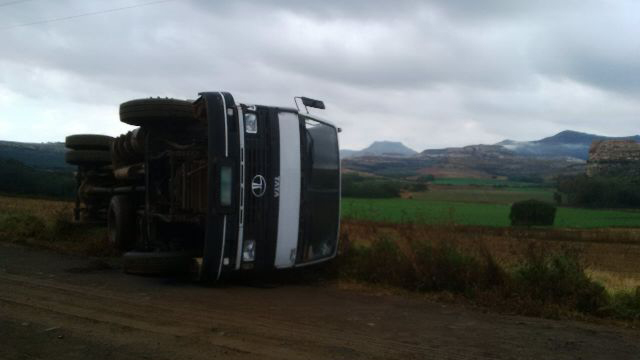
258,186
276,186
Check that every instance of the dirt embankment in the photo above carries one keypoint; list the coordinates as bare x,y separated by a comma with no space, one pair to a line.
60,307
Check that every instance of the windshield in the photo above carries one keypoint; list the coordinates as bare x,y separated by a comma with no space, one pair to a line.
322,190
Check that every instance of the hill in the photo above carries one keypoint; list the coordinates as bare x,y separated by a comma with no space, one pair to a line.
562,153
566,143
37,155
380,148
475,161
35,169
18,178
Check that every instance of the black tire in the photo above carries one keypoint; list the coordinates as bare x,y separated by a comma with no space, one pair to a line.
88,157
150,112
88,142
121,221
157,263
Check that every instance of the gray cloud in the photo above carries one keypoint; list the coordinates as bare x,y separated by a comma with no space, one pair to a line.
430,73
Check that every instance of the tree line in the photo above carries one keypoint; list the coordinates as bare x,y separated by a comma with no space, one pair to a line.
599,192
18,178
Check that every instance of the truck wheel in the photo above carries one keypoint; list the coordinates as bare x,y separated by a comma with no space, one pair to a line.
88,157
157,263
149,112
88,142
121,221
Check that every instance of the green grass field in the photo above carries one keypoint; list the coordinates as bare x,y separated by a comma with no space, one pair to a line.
482,182
484,194
429,211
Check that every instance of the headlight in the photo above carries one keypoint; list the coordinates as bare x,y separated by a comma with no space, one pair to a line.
249,250
250,123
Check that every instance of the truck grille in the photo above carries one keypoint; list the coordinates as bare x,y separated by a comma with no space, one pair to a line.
257,162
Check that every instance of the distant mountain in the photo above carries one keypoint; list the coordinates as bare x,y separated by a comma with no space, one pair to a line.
380,148
36,155
484,151
345,153
474,161
566,143
563,153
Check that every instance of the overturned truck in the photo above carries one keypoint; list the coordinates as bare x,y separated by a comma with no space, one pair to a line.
213,186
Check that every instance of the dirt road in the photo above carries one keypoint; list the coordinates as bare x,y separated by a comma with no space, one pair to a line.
61,307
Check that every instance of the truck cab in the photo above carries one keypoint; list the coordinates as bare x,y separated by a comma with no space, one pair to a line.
277,175
223,186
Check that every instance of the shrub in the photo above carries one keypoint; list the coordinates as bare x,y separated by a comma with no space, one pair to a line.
418,265
559,279
381,262
445,268
624,305
19,227
369,187
542,284
532,212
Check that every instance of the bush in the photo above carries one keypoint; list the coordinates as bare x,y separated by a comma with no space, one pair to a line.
446,268
559,279
419,266
532,212
381,262
624,305
17,227
542,284
369,187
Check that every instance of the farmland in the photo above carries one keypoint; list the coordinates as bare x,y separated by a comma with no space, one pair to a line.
477,205
445,239
471,216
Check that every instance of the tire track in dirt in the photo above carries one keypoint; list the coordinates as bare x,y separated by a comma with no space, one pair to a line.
133,317
156,318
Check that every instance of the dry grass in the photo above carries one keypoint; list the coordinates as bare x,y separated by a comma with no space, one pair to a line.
615,281
614,251
547,273
48,224
42,208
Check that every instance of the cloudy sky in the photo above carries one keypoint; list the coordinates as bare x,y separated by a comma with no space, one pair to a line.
427,73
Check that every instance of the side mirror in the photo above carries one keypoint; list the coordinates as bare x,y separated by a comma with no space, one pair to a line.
312,103
308,102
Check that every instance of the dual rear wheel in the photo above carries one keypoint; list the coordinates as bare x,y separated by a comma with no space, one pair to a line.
88,150
94,154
